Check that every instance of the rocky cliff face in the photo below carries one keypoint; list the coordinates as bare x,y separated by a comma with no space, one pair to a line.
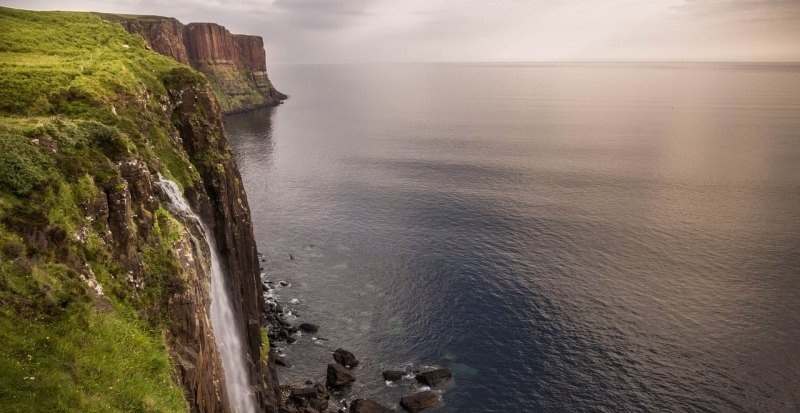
220,200
234,64
104,288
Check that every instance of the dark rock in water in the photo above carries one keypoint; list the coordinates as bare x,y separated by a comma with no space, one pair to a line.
291,257
368,406
314,397
338,376
291,339
309,327
345,358
281,361
419,401
288,409
393,375
283,283
434,377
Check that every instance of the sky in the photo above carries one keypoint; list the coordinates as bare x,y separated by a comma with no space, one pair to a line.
338,31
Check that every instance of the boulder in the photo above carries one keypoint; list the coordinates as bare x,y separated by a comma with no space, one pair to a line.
345,358
368,406
315,397
338,376
418,401
309,327
434,377
281,361
393,375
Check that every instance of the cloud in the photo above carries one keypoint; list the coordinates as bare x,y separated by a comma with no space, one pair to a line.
489,30
772,10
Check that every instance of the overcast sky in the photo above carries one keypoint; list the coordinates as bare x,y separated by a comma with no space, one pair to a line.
489,30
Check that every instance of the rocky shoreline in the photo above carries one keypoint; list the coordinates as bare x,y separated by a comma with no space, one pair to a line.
334,395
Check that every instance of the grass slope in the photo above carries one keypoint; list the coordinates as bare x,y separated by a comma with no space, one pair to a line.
78,94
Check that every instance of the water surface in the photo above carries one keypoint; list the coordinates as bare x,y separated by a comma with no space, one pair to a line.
564,237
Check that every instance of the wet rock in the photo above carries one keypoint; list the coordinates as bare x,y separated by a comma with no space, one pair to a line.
338,376
281,361
434,377
309,327
345,358
393,375
419,401
284,283
288,409
314,397
368,406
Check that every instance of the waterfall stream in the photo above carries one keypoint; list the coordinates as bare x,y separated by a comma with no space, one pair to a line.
228,335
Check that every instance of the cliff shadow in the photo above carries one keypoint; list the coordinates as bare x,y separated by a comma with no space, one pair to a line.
251,133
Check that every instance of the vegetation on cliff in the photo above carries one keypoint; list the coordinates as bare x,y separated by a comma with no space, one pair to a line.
234,64
92,265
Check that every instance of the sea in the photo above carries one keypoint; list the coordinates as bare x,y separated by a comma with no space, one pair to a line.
564,237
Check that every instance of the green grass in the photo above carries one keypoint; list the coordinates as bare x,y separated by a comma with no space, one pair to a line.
85,361
225,77
264,344
77,95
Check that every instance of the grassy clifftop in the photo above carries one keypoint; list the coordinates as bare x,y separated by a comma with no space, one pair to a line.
83,298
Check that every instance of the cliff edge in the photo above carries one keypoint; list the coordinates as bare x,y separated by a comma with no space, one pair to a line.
104,289
234,64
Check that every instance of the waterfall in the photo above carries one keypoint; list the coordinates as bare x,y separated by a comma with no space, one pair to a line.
226,331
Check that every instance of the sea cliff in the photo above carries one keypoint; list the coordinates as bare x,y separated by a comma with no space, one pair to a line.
234,64
104,291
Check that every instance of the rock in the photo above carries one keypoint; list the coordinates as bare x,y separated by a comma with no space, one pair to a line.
288,409
283,283
345,358
434,377
309,327
281,361
393,375
315,397
368,406
338,376
419,401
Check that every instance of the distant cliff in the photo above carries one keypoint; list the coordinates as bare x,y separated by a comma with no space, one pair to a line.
234,64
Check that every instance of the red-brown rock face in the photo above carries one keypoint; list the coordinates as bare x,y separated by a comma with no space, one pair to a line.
164,35
210,43
251,52
234,63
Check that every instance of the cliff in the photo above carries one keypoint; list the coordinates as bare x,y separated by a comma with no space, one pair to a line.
104,289
234,64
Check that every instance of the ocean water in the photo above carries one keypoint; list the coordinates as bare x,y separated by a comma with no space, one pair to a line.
564,237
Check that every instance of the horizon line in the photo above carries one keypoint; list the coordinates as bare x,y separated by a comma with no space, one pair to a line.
769,62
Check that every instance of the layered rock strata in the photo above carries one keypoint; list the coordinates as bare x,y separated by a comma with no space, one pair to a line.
235,64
